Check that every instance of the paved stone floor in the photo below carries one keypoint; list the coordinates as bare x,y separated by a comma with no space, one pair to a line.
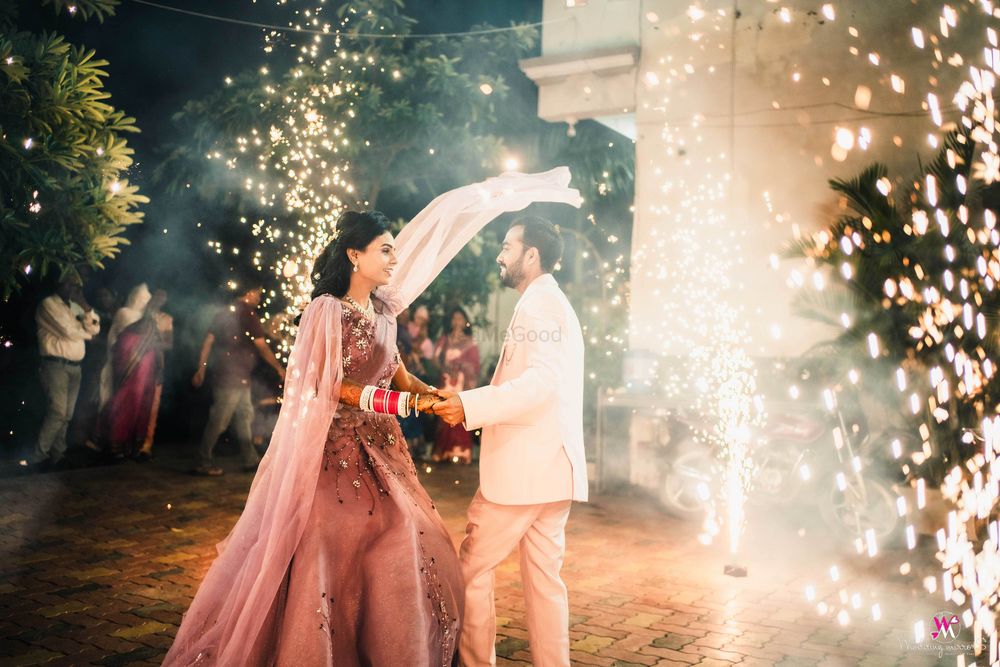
97,565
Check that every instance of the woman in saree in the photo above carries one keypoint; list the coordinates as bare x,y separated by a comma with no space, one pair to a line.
340,556
127,315
136,372
458,357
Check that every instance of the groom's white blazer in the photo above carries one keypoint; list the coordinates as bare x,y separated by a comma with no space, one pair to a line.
531,414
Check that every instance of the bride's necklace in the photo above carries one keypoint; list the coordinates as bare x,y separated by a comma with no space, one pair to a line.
368,312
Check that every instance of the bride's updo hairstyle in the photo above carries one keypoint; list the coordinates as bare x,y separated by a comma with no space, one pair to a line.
332,270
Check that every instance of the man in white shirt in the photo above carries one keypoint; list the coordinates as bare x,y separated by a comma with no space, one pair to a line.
65,322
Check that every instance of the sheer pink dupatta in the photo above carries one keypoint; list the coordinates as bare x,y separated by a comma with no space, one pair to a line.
433,238
225,622
226,617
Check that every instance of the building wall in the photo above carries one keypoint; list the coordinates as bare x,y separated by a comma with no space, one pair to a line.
703,243
591,25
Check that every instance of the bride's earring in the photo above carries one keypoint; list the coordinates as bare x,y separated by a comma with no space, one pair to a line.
355,268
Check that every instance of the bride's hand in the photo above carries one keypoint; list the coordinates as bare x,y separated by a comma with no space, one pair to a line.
426,402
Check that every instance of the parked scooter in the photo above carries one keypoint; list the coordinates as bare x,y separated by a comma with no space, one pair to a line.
800,458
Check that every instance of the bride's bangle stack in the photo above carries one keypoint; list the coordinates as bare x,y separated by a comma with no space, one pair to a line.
386,401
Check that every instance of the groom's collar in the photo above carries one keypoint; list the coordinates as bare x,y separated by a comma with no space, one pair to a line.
540,281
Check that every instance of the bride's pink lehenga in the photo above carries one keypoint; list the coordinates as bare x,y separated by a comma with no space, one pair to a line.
340,557
375,578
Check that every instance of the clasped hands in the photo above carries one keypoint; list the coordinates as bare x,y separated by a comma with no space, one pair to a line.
445,404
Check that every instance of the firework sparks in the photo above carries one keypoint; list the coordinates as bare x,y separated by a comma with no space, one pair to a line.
949,331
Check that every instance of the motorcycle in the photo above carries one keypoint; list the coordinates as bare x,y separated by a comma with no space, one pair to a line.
794,452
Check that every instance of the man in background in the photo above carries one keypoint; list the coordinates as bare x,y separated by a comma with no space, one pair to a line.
65,323
239,340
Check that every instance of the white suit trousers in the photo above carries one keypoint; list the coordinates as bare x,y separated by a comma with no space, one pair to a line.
492,533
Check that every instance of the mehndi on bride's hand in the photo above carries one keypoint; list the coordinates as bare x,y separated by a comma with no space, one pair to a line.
427,402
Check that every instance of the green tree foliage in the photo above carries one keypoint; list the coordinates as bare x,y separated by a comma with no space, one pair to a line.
918,269
87,9
64,200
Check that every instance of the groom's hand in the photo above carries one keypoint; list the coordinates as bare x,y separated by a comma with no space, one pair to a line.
451,409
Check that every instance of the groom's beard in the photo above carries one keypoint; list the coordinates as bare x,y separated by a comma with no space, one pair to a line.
510,276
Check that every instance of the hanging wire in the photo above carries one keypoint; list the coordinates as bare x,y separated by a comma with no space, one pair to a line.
335,33
820,105
834,121
732,107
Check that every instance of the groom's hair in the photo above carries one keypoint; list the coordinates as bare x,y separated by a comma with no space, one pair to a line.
542,235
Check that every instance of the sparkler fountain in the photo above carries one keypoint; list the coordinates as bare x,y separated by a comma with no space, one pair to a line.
687,294
940,296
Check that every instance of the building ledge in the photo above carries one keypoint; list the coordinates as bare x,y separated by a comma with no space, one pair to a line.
607,62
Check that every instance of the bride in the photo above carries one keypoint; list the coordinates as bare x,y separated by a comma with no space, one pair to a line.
340,557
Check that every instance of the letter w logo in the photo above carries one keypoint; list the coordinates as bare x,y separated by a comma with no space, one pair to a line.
945,627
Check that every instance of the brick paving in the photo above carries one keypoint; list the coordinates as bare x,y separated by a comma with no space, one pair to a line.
97,565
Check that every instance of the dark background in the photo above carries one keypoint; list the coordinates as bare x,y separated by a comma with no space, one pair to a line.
158,61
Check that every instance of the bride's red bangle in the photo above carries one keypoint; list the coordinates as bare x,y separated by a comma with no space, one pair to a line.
385,401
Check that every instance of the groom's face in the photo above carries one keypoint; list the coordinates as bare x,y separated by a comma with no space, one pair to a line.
511,258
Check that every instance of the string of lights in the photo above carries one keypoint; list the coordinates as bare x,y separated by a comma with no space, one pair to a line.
327,30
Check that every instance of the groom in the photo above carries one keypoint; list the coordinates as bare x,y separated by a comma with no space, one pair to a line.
532,461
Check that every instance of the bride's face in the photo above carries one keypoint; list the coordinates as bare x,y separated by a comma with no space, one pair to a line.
376,263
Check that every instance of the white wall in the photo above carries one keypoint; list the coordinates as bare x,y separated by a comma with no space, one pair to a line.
594,25
682,258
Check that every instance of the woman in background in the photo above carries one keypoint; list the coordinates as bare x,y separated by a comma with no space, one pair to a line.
458,356
137,371
130,313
